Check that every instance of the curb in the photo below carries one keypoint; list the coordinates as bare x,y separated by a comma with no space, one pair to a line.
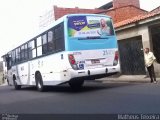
123,81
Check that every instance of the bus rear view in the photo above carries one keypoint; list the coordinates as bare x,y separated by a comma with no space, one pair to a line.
74,48
92,47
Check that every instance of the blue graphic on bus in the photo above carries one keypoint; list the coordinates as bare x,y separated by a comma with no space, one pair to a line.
77,22
81,66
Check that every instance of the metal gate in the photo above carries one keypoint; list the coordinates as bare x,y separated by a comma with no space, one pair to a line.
131,56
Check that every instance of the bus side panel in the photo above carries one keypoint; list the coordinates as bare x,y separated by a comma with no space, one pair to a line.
52,68
22,72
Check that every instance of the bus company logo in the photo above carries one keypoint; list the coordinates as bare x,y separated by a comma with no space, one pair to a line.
77,22
9,117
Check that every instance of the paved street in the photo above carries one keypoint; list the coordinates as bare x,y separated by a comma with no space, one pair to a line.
95,97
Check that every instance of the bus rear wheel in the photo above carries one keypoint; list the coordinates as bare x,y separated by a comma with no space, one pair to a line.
16,86
76,84
39,82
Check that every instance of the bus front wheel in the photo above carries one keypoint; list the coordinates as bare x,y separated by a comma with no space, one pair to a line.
39,82
76,84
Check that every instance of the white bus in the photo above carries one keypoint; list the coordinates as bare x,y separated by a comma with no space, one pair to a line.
75,48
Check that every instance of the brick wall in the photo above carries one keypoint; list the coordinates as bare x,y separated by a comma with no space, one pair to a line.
59,12
123,13
121,3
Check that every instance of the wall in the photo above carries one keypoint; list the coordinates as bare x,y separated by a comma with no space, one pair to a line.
1,72
59,11
121,3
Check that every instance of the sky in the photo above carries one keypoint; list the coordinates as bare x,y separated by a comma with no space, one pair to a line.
19,19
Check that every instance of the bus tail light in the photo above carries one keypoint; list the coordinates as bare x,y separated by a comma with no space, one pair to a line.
72,61
116,57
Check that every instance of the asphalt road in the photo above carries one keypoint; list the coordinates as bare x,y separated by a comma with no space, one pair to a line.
94,97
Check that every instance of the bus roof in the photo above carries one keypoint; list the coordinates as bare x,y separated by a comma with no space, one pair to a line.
54,24
68,15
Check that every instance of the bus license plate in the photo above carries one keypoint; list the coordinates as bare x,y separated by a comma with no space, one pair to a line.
95,61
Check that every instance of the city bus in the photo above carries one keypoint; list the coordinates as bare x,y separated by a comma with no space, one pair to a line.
75,48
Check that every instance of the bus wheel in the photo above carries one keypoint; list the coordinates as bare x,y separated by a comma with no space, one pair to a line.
39,82
16,86
76,84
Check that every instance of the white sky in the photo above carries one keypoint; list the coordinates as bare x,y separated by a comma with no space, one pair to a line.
20,18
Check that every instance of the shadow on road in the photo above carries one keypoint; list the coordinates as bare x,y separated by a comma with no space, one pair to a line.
88,87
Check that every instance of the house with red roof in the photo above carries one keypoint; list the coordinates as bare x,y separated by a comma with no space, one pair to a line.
138,32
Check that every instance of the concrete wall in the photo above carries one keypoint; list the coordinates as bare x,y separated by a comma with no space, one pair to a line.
127,33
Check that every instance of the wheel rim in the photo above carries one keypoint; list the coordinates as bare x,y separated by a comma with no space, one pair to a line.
39,85
39,82
15,83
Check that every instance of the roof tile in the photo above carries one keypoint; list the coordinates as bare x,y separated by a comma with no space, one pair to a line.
136,19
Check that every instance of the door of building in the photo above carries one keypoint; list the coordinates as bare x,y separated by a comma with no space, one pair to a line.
131,56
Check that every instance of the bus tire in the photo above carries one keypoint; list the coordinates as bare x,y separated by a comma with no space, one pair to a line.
39,82
76,84
16,86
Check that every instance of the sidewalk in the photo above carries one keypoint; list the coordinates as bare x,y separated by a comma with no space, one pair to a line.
127,78
4,84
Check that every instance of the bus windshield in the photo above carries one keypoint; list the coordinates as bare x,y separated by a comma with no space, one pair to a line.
89,27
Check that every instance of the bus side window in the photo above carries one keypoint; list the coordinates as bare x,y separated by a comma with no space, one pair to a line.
44,42
22,53
17,55
13,57
8,60
51,43
32,49
39,46
26,51
59,37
